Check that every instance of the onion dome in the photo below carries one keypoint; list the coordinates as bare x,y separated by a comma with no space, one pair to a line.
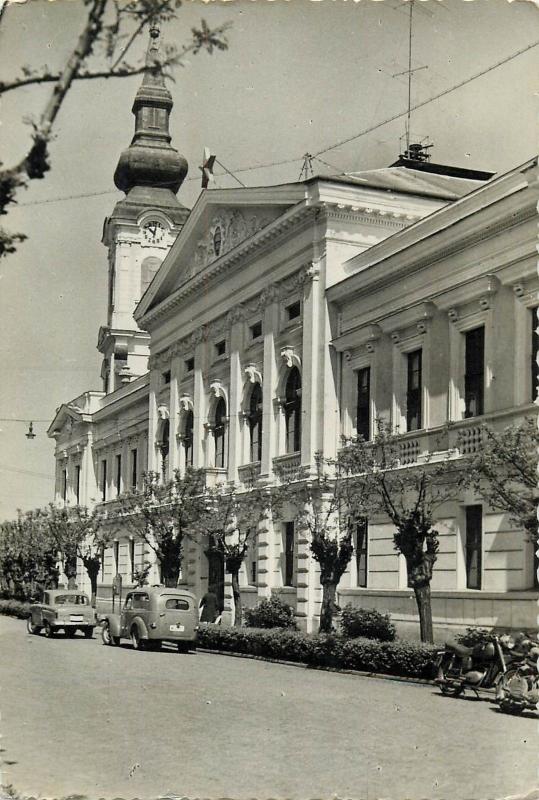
150,160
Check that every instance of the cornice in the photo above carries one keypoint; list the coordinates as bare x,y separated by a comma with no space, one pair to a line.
274,292
438,245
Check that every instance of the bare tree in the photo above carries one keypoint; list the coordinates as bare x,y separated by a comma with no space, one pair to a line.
323,508
230,521
77,534
163,516
108,34
504,472
409,494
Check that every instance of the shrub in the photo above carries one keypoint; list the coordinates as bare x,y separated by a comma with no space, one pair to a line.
405,659
272,613
14,608
368,623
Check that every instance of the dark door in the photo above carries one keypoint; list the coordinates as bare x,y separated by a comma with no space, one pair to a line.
216,576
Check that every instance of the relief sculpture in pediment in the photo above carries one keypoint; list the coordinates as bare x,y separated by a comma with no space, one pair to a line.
228,229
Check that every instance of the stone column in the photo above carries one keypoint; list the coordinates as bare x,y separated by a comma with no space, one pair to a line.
153,459
270,378
174,410
312,312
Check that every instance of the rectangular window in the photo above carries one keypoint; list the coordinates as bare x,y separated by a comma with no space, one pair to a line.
104,479
289,553
252,580
413,391
64,485
77,483
363,414
116,558
190,365
118,481
220,348
474,372
166,376
474,546
362,546
293,311
134,469
256,330
535,351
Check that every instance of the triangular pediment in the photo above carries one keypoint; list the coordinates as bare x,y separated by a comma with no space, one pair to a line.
221,221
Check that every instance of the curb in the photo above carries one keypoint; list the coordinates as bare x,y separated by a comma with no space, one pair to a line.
380,675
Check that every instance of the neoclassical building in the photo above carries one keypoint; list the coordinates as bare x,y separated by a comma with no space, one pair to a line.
267,323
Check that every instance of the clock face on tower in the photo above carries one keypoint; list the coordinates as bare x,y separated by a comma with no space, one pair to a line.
153,232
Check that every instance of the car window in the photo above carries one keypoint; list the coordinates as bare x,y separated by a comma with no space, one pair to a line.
141,600
128,602
177,603
46,599
72,600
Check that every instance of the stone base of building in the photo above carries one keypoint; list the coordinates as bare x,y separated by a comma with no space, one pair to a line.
452,612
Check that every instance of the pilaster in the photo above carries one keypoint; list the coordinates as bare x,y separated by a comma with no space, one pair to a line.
269,423
199,408
235,392
174,411
310,363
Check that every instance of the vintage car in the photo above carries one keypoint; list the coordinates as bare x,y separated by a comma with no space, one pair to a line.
63,609
153,615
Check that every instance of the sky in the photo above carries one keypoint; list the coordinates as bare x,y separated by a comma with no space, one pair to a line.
298,77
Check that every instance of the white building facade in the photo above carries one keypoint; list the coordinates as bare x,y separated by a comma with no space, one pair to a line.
266,324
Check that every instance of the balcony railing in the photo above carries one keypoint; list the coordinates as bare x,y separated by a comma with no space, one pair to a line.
215,476
248,473
287,465
460,438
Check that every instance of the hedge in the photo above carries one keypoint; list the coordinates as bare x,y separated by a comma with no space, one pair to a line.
405,659
15,608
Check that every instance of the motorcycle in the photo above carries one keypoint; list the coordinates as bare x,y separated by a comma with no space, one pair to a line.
519,688
480,667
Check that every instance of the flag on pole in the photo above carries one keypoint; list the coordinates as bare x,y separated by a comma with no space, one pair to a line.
207,168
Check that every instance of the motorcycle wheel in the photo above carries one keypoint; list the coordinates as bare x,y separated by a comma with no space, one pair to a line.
451,690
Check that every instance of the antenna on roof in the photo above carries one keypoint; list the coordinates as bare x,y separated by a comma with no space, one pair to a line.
307,167
412,151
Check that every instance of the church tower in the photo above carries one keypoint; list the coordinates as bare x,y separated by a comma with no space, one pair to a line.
143,225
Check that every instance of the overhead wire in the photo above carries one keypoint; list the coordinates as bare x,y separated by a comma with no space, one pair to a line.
335,145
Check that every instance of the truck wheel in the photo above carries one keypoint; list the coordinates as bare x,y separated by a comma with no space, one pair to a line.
136,641
49,630
31,628
107,637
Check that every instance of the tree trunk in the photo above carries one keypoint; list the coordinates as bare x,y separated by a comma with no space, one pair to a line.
92,568
329,591
235,578
422,596
170,574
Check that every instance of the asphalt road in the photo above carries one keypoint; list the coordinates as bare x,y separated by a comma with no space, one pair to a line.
81,718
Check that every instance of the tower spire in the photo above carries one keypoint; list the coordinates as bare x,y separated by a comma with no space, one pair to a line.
150,161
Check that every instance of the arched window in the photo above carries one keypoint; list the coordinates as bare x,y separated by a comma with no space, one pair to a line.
292,411
164,447
219,433
188,438
255,424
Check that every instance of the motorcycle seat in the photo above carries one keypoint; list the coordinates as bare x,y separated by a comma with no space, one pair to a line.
459,649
